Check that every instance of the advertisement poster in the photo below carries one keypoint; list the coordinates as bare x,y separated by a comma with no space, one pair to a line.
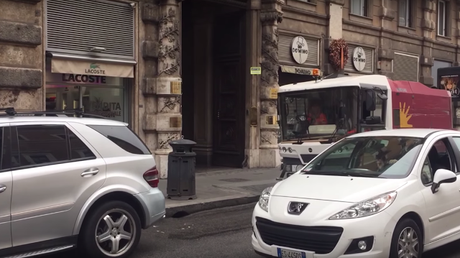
449,82
106,102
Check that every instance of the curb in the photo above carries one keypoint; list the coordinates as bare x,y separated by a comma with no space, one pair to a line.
204,206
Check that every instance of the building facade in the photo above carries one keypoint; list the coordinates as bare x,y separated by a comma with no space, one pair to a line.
208,71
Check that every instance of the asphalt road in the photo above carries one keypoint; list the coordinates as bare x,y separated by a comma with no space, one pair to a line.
218,233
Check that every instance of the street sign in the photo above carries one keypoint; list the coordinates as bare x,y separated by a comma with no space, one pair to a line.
256,70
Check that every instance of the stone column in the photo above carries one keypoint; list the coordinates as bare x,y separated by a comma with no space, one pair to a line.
168,83
385,54
270,16
428,28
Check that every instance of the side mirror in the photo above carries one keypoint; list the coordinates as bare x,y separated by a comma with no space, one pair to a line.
442,176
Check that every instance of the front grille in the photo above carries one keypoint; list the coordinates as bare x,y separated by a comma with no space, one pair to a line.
321,240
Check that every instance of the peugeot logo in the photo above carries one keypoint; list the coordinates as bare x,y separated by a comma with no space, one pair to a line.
296,208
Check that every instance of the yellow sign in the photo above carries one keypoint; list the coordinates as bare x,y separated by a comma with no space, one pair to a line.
175,122
273,93
404,116
256,70
176,87
271,120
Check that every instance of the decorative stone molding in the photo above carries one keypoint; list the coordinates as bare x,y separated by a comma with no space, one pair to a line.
387,13
150,49
426,60
149,122
427,80
385,54
20,33
149,13
169,43
148,86
337,2
21,78
269,17
33,2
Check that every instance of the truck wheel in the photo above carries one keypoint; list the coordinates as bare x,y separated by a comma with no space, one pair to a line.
111,230
407,240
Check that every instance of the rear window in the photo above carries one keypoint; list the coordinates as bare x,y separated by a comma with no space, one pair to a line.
123,137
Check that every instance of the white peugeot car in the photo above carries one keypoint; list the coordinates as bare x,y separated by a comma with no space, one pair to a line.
379,194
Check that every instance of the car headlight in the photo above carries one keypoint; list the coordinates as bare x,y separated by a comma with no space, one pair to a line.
367,208
264,197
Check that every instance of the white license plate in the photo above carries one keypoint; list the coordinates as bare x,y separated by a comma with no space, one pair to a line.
283,253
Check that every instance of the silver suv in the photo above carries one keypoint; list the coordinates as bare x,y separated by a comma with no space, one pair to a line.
68,181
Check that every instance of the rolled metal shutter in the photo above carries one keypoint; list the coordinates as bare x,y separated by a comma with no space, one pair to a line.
405,67
75,26
368,68
284,51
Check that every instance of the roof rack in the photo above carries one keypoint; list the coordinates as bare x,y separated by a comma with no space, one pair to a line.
10,111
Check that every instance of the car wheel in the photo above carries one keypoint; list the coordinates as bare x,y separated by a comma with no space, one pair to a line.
407,240
111,230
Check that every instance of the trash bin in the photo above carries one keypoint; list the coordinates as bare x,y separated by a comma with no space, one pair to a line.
181,170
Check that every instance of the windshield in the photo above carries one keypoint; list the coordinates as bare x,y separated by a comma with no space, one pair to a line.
378,157
316,113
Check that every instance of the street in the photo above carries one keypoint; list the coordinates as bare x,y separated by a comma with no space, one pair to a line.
217,233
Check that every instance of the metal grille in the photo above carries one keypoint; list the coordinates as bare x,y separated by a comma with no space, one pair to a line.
405,67
284,51
321,240
368,68
78,25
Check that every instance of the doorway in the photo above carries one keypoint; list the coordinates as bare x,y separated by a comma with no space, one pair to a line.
214,103
229,100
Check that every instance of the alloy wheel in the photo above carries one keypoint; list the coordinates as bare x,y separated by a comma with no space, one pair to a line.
115,232
408,243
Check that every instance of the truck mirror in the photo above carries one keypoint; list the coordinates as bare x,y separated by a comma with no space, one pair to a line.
370,100
382,96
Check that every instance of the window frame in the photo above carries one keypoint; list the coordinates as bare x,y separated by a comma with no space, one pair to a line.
15,142
443,32
363,7
453,152
407,14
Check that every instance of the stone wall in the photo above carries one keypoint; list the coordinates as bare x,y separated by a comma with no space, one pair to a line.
21,54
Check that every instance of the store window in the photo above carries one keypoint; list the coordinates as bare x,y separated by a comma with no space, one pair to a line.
104,96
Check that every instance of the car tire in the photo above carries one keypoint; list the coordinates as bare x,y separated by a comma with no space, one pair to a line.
111,223
407,237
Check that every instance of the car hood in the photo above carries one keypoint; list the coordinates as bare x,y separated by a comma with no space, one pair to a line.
335,188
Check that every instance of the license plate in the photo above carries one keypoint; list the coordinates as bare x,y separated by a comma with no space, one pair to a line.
283,253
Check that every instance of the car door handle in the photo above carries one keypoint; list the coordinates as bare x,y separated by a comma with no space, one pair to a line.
2,188
90,172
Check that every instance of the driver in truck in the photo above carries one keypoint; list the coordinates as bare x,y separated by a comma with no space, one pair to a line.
315,116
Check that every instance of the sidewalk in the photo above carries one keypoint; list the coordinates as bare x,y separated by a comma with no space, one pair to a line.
223,188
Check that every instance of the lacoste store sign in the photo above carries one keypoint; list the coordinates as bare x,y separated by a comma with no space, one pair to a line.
121,70
95,69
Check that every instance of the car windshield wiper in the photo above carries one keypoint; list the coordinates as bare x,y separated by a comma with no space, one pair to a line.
362,174
342,173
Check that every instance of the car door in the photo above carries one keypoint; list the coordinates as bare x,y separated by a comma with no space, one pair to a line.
54,171
6,186
442,207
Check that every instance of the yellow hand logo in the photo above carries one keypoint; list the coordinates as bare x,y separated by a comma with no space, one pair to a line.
403,116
